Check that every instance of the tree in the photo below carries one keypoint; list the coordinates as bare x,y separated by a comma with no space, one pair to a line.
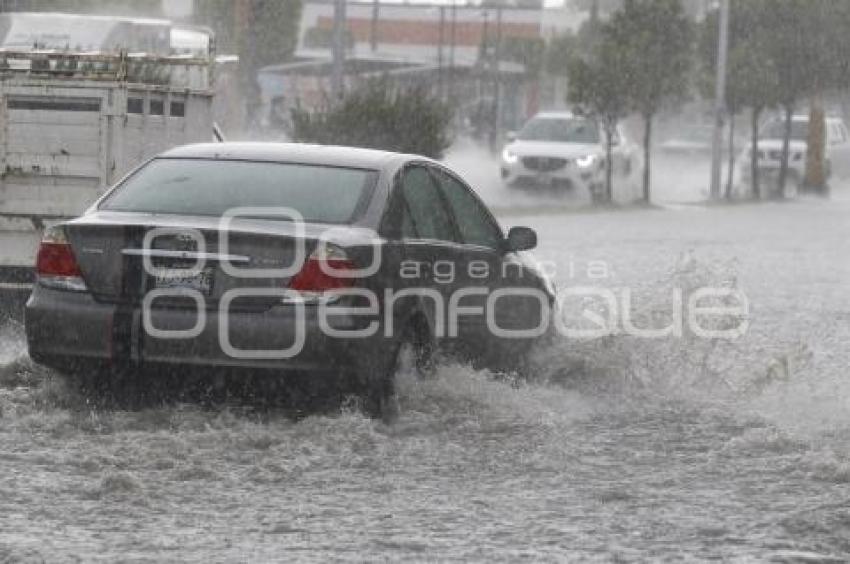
559,49
377,116
656,39
751,78
830,72
793,50
809,47
261,32
598,87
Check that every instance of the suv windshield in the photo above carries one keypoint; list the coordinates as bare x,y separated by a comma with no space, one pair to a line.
776,130
561,130
321,194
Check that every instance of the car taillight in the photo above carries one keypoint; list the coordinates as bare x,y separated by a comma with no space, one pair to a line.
56,265
324,270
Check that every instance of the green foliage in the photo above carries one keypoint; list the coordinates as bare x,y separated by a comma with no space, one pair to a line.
562,49
657,39
261,32
559,50
780,52
598,87
220,16
273,35
792,52
751,75
637,61
377,116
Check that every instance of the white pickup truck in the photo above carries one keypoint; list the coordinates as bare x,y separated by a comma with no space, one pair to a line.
770,145
84,100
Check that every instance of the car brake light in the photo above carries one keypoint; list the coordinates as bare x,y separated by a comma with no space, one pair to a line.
322,271
56,265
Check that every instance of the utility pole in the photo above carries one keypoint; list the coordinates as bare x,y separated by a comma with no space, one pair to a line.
246,112
497,83
440,44
719,99
338,51
452,35
373,30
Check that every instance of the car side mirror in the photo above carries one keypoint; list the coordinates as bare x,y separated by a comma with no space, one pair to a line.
520,239
510,136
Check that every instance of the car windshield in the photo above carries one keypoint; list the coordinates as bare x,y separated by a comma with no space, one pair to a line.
561,130
776,130
321,194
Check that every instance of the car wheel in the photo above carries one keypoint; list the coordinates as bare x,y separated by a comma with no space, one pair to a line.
413,354
109,387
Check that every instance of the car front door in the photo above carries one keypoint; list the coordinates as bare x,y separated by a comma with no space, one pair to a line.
486,265
838,150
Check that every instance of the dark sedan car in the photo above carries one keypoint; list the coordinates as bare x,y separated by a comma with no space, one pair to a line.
284,259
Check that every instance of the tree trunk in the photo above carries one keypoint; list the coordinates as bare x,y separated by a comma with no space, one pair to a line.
731,173
816,148
647,140
754,154
609,165
786,150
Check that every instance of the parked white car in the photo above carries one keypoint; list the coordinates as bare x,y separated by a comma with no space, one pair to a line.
770,150
563,150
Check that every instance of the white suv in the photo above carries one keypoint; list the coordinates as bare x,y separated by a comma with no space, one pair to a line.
770,149
560,149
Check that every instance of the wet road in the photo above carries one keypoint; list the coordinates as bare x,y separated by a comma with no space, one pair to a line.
621,448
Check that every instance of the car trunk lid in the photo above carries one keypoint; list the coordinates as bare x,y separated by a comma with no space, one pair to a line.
124,256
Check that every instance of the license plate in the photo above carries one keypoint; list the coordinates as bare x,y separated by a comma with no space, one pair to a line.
544,178
185,278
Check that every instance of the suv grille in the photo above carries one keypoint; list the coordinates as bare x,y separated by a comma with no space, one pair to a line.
544,164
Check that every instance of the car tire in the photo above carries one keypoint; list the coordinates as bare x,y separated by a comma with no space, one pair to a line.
413,352
108,387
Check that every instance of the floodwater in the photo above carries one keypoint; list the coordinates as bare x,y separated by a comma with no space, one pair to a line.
620,448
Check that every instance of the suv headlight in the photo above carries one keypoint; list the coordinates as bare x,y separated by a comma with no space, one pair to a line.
587,161
509,156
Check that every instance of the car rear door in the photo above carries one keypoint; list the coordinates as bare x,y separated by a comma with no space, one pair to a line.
423,245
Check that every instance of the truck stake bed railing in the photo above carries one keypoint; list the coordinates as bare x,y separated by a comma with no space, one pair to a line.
139,68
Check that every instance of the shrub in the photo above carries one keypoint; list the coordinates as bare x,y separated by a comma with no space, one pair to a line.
378,116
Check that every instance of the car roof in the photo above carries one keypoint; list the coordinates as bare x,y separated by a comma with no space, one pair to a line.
353,157
805,118
555,115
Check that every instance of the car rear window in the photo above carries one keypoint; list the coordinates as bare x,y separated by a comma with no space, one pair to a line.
320,193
